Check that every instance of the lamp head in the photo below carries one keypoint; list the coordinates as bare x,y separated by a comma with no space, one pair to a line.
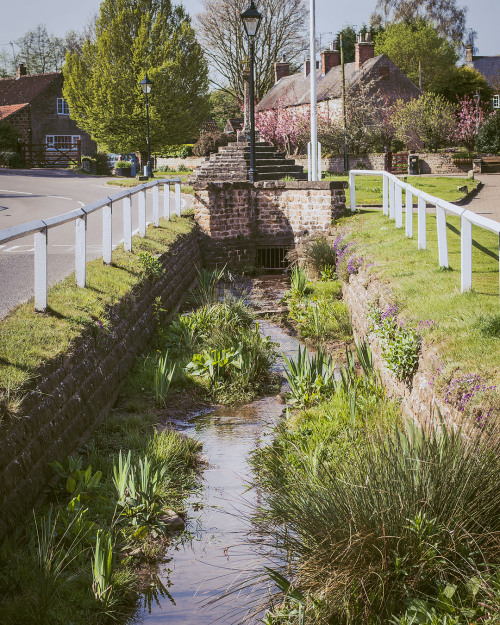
146,84
251,19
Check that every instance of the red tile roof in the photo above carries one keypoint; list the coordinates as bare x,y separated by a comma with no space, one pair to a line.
9,109
24,89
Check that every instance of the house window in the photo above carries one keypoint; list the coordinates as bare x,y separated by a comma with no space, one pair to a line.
496,101
62,107
62,142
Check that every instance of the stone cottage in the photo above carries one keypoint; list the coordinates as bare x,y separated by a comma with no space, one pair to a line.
34,105
489,67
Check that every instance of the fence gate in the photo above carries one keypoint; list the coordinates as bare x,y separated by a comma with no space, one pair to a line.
54,154
399,164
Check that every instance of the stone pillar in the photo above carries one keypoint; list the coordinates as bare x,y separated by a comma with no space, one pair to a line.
243,135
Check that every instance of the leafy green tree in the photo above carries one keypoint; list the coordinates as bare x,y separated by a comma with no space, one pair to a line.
445,14
428,121
101,84
349,35
488,139
462,82
223,105
408,44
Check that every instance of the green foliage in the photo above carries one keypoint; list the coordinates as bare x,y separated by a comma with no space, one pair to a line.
427,120
298,280
11,159
319,253
488,140
103,567
207,289
310,377
163,378
209,142
101,83
123,164
461,82
223,106
176,151
98,164
151,264
9,136
408,43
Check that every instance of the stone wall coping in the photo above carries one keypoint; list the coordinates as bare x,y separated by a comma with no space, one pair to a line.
274,184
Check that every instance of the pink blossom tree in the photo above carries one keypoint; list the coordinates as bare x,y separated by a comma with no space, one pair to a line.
468,116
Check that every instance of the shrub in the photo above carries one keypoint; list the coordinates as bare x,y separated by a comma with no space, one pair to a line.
123,165
8,138
177,151
319,253
488,139
97,164
11,159
209,142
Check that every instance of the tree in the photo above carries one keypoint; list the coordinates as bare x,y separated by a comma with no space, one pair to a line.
221,32
407,44
223,106
428,120
469,118
101,84
463,82
41,51
448,18
488,139
349,36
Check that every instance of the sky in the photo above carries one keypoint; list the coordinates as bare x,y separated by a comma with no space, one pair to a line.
16,17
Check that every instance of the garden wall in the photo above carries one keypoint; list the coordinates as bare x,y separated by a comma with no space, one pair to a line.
238,218
190,162
419,400
78,388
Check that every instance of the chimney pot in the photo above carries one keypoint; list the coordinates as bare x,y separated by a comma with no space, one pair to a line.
281,69
21,70
329,58
307,67
365,50
469,54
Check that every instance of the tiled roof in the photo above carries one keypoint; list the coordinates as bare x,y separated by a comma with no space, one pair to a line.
294,90
488,66
9,109
25,88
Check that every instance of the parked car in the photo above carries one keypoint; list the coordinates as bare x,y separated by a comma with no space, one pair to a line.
114,158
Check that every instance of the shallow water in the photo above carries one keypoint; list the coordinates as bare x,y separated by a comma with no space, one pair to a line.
221,555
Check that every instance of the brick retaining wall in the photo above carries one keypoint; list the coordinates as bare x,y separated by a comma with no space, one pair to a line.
237,218
78,388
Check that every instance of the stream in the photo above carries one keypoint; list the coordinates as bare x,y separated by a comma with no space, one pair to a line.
221,557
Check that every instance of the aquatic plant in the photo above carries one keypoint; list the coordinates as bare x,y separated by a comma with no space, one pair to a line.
163,378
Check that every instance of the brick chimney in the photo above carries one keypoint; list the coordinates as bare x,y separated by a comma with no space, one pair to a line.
281,69
365,49
469,54
329,58
307,66
21,70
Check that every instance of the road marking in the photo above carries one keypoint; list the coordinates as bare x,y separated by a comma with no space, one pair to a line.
60,197
81,203
20,192
14,247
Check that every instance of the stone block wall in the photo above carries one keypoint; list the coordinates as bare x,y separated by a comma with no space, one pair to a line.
238,218
77,389
191,162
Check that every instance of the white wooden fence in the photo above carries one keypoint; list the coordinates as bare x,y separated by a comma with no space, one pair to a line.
40,228
392,206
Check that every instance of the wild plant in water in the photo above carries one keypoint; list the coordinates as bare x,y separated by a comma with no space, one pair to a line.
103,567
298,280
310,377
163,378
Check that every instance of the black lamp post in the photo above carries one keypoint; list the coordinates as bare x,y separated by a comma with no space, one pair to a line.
146,88
477,98
251,19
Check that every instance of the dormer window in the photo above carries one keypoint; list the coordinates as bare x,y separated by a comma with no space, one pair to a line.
62,107
496,101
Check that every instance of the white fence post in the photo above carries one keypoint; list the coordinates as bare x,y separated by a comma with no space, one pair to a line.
156,206
107,233
385,195
319,160
41,270
392,189
80,250
166,201
398,192
127,223
442,236
465,254
422,224
352,191
409,214
142,212
178,199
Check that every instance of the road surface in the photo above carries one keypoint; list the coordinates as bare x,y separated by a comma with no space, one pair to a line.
26,195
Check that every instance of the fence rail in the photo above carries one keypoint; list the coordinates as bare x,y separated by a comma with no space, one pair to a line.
392,206
40,228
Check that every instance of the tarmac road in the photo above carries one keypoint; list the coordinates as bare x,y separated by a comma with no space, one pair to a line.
26,195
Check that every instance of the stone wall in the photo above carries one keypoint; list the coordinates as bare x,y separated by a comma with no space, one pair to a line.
77,389
191,162
418,399
238,218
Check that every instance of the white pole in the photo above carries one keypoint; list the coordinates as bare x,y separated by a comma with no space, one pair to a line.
166,201
312,73
156,206
41,270
442,237
409,214
309,165
107,236
178,198
398,197
422,225
142,212
352,191
80,250
466,255
319,160
127,223
385,194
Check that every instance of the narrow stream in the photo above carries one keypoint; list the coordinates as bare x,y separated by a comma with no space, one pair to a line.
220,554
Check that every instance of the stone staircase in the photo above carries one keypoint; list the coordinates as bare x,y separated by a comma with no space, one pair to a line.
232,162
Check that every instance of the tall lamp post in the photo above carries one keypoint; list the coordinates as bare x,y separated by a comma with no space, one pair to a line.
251,19
146,88
477,98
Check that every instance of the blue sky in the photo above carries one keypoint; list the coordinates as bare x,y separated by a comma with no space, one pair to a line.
16,17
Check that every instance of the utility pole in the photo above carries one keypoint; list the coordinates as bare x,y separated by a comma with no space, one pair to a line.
314,100
344,111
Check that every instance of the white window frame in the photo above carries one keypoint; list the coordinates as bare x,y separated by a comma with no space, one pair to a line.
496,101
62,107
61,140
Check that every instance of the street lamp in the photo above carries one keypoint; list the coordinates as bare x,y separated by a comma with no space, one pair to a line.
251,19
146,88
477,98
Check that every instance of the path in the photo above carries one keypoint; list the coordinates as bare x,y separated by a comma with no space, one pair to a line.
487,201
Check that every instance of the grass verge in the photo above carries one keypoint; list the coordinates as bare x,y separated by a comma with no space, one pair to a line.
369,188
28,339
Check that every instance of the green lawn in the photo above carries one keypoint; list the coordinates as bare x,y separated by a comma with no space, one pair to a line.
133,182
466,327
369,188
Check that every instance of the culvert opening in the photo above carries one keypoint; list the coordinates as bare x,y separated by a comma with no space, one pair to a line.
273,257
